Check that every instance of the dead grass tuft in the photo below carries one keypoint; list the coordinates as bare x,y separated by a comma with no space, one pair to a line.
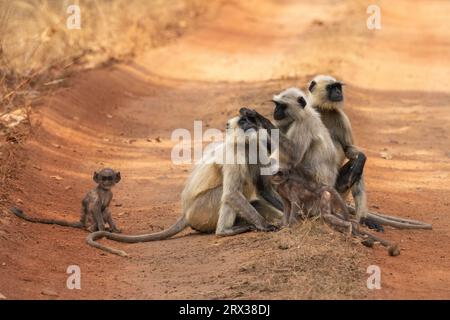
311,259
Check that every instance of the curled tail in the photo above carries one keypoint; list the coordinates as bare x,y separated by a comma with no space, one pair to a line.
392,248
177,227
18,212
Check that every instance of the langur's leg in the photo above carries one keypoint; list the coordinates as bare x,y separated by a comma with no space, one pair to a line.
108,218
90,223
225,224
361,210
287,212
326,213
350,173
265,209
296,211
95,209
242,206
354,182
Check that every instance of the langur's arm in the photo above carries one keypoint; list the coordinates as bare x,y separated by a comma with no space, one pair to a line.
347,142
294,152
265,190
232,195
245,210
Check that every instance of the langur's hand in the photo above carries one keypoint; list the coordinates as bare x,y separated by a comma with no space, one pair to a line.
257,118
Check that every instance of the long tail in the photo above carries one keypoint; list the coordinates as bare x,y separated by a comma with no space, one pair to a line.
396,222
18,212
177,227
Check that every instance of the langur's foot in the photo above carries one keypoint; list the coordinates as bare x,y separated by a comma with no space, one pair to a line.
372,224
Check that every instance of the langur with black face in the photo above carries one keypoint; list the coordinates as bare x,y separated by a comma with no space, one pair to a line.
304,140
219,197
326,96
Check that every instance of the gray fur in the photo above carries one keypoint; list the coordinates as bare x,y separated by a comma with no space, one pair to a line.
308,141
215,196
338,124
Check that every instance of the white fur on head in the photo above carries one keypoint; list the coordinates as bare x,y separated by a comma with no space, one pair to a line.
319,95
234,130
233,123
290,97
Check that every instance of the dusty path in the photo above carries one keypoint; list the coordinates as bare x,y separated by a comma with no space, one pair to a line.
397,98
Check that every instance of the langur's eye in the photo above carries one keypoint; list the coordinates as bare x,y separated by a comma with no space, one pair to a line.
301,101
107,178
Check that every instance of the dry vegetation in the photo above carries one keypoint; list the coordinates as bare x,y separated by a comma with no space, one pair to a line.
322,260
37,50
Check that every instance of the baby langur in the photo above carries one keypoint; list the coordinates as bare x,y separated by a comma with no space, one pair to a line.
300,194
327,97
95,211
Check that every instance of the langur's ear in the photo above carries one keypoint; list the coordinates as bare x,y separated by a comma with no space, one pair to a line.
118,177
95,177
311,86
301,101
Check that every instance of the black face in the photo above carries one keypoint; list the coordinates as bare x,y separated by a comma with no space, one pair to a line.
247,122
334,92
279,112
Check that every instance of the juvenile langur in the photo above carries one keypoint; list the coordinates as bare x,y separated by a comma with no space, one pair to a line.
300,193
218,197
304,140
326,96
95,213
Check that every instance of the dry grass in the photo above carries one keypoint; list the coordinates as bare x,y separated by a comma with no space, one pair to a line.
37,48
38,52
312,260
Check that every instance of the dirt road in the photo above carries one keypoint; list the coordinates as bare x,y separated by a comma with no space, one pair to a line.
398,99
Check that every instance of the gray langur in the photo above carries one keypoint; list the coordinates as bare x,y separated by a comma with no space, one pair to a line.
326,96
218,197
95,211
304,140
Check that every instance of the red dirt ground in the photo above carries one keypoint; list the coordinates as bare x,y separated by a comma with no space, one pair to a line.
398,100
